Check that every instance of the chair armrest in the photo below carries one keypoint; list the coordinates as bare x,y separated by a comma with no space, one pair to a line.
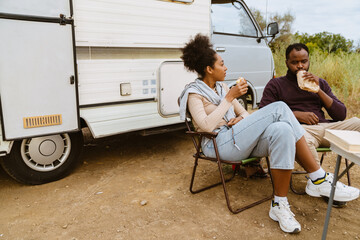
204,134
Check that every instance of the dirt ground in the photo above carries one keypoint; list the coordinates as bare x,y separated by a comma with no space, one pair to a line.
134,187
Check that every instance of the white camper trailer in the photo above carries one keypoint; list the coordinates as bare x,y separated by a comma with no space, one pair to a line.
110,65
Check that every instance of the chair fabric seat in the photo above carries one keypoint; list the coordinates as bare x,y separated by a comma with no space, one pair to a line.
323,150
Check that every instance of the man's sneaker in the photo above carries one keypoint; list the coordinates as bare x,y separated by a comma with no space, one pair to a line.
281,213
343,193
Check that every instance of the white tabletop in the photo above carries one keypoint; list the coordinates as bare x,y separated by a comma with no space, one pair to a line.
353,157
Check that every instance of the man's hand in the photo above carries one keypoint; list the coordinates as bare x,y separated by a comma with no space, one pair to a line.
309,118
234,121
311,77
327,101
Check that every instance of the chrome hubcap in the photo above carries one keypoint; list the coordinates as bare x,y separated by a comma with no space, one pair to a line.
46,153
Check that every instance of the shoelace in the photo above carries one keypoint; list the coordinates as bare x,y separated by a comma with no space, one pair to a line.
287,211
330,179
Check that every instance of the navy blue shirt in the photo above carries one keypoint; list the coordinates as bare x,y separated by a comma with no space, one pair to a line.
286,89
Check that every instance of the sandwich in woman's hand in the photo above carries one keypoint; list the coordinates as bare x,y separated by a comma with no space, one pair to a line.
240,80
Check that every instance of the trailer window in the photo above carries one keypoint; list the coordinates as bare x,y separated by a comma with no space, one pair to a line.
232,18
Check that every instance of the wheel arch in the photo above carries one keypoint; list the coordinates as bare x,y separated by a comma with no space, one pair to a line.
252,93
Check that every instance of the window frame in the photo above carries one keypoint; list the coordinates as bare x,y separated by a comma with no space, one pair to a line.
251,17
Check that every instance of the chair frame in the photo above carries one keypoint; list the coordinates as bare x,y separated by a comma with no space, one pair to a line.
196,138
323,151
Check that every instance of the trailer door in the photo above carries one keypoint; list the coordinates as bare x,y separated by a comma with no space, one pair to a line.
38,82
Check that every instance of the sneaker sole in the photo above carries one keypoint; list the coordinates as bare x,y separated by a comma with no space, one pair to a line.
273,217
336,204
316,194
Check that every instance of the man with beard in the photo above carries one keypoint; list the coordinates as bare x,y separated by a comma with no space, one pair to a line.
308,106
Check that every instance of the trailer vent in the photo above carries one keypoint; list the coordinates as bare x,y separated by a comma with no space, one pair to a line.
42,121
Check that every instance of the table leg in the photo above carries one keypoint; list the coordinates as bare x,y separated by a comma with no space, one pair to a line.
331,198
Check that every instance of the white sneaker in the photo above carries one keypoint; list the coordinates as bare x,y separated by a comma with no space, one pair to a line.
281,213
343,193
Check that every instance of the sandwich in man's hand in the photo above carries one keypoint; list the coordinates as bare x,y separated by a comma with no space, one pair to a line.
306,85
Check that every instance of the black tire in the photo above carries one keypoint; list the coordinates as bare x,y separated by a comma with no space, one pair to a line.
43,159
242,100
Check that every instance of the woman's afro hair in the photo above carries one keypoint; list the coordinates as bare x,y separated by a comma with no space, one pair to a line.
198,54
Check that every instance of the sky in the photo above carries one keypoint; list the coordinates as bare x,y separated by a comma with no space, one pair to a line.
314,16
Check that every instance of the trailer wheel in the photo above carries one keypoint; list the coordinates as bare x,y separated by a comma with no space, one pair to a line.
43,159
242,100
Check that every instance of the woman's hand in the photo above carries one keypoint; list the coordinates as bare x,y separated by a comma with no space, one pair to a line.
237,90
234,121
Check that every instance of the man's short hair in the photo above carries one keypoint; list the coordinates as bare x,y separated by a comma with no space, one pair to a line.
297,46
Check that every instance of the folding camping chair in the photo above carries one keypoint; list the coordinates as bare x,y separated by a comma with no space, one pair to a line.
196,138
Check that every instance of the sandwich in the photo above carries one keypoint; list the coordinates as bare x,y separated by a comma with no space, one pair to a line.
240,80
306,85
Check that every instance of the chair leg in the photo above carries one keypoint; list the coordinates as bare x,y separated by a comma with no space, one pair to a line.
348,172
322,158
271,178
291,183
249,205
207,187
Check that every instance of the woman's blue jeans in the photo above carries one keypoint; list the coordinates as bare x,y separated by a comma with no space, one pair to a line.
270,131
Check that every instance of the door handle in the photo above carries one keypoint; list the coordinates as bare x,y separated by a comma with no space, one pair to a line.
220,49
72,79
